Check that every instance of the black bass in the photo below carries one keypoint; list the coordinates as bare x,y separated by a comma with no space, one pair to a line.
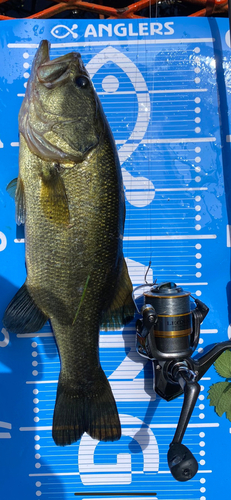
70,196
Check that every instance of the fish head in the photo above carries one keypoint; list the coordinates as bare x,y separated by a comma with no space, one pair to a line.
61,117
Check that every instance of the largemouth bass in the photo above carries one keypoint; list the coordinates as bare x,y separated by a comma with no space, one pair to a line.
70,196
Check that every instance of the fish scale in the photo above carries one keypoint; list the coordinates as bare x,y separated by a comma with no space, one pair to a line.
70,196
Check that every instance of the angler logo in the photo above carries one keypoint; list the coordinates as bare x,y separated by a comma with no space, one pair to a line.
121,30
61,31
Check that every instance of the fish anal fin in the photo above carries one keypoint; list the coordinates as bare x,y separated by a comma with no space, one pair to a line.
121,309
22,315
53,197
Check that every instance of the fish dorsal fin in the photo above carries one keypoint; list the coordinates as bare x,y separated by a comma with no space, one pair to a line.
53,197
22,315
122,308
16,190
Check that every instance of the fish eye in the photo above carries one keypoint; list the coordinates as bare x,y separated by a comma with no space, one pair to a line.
82,82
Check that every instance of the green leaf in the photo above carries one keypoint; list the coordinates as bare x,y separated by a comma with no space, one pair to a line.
224,403
223,364
220,398
228,414
215,392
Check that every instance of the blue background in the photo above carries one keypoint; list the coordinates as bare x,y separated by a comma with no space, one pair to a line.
166,93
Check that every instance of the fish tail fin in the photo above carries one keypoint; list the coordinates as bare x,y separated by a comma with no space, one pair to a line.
90,410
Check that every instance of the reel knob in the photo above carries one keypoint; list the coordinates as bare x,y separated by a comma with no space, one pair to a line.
181,462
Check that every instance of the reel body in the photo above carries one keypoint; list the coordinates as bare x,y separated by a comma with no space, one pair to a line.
168,335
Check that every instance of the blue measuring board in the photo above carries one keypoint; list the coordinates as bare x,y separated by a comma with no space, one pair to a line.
165,88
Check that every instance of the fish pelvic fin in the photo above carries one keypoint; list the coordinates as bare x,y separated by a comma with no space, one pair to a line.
22,314
92,410
16,190
122,308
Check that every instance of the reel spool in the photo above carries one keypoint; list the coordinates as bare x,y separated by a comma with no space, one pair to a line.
173,326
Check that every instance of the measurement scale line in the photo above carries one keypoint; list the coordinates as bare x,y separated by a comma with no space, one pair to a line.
162,91
209,331
198,472
53,362
31,335
55,474
161,158
172,237
116,119
192,426
50,334
171,266
157,141
191,284
184,51
178,140
112,42
152,426
180,218
181,189
112,335
134,72
144,238
42,381
157,61
119,494
159,91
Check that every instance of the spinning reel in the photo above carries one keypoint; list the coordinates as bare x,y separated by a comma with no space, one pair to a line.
168,334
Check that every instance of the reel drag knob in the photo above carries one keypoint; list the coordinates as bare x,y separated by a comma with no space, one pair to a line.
181,462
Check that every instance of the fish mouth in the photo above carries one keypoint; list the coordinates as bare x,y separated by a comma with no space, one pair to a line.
52,73
42,55
44,49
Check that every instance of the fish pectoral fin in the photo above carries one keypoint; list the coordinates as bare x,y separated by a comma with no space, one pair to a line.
122,307
54,198
11,187
16,190
22,315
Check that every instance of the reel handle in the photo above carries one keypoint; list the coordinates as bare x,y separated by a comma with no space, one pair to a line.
181,461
